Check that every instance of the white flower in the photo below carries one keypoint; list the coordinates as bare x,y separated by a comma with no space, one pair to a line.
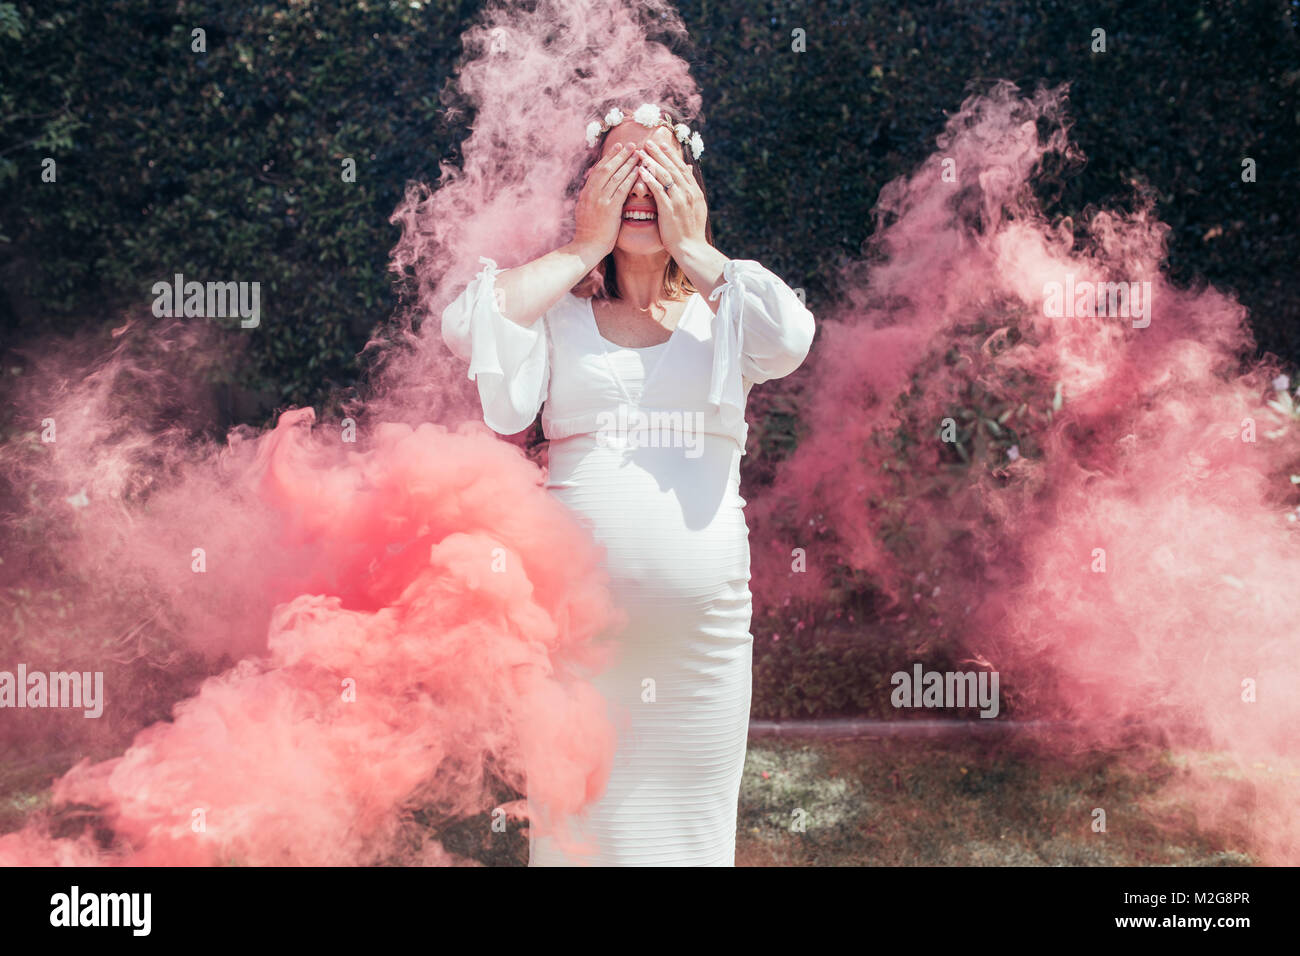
1013,452
647,114
1281,383
593,133
697,145
614,117
682,132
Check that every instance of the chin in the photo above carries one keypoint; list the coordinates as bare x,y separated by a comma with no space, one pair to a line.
640,245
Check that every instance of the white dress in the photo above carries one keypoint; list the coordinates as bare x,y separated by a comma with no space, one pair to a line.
645,449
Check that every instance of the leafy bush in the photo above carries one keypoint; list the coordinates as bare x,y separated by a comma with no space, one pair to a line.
227,163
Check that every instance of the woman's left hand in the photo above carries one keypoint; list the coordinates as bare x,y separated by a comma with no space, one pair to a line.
681,210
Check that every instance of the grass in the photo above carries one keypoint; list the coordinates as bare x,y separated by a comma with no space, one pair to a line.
886,802
891,802
25,788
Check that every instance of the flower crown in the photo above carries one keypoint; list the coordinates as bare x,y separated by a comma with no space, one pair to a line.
650,116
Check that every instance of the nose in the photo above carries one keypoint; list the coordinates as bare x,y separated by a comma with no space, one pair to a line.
640,190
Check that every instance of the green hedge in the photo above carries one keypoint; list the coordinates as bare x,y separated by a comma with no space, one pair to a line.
228,164
225,164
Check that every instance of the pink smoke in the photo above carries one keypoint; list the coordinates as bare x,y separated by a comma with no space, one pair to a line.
1140,463
366,626
419,638
424,569
534,79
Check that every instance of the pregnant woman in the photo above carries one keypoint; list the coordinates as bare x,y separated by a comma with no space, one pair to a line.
639,342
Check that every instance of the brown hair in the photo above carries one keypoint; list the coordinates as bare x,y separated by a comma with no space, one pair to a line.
602,281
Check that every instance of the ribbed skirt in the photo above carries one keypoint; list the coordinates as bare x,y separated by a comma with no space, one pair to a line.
677,550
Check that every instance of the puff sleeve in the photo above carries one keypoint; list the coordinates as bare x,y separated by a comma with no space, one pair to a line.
761,331
508,361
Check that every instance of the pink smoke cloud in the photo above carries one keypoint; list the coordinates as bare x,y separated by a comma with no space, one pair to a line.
422,636
424,566
534,79
1130,564
334,568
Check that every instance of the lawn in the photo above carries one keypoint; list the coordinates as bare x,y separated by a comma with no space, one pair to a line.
876,802
960,802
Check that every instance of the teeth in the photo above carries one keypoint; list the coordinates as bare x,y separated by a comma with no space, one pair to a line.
639,215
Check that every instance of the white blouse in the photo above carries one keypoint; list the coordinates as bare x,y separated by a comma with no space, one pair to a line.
761,331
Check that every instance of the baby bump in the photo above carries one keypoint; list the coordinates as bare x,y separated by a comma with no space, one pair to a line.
672,523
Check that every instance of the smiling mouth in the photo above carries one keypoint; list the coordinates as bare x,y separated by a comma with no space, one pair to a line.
638,217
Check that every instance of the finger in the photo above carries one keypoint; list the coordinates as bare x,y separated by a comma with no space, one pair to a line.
626,167
628,160
615,156
684,184
656,187
661,173
673,160
608,164
670,157
620,183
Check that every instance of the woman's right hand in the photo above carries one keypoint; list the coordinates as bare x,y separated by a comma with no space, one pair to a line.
526,292
599,214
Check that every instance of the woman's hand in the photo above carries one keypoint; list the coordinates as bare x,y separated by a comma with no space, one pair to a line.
599,213
681,209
